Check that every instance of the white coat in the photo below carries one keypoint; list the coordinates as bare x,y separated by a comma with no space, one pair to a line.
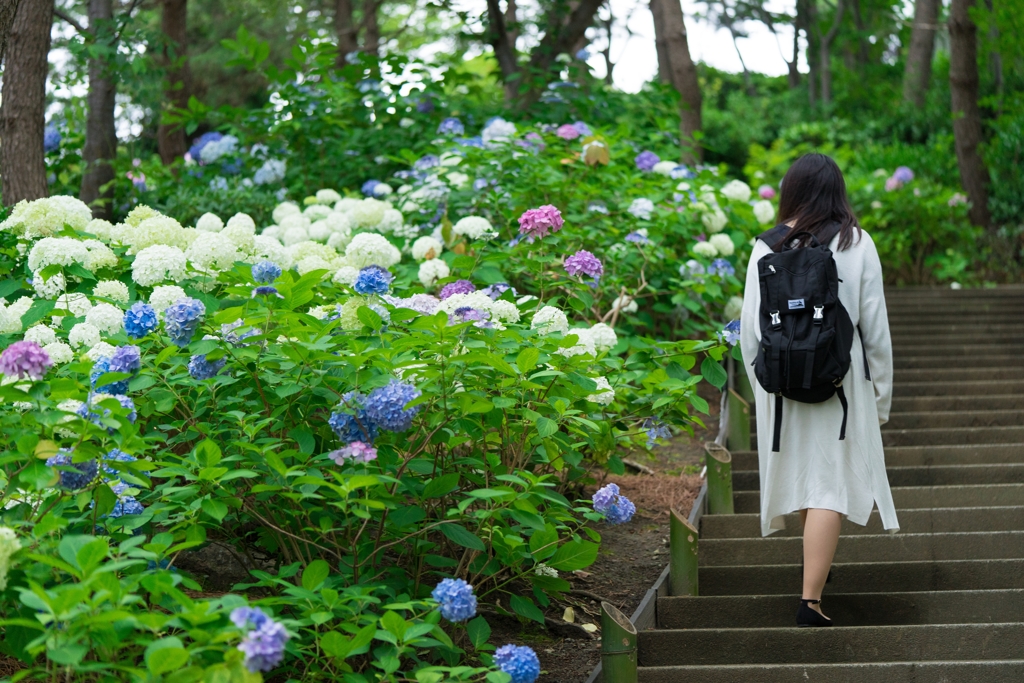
813,468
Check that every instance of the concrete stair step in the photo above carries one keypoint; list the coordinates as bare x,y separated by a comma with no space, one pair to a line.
1000,387
960,418
913,404
998,671
898,328
928,476
913,456
930,642
920,497
914,521
847,609
956,374
901,338
937,348
867,577
941,362
938,436
885,547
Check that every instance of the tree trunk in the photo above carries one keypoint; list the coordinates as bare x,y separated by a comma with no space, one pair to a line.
512,22
793,77
825,55
670,37
559,36
607,53
996,61
345,28
23,103
917,74
8,8
174,24
371,27
807,13
963,85
861,55
504,50
748,84
100,131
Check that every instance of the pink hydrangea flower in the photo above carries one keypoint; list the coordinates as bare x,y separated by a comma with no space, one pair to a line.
357,451
25,359
893,183
766,192
540,221
568,132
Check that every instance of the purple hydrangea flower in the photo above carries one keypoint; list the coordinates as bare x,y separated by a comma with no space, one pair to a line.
421,303
538,222
357,451
584,263
369,186
721,268
469,314
352,423
519,662
181,320
457,287
77,475
140,320
731,333
25,359
646,160
265,272
373,280
425,105
497,289
456,599
604,497
567,132
126,359
583,128
451,126
202,369
244,617
264,645
903,174
616,508
101,367
385,406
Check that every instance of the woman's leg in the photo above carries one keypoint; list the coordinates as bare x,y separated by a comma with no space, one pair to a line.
821,535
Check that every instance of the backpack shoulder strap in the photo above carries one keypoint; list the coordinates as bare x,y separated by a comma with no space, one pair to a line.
827,234
774,236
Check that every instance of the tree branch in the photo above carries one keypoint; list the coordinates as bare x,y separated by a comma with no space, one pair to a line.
61,14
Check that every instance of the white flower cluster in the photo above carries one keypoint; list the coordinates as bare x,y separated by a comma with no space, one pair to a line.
764,211
48,288
56,251
737,191
642,208
84,335
368,249
498,130
113,290
426,248
106,318
8,546
665,167
499,311
214,150
433,270
209,222
47,216
605,394
550,319
473,227
212,252
165,295
624,304
158,263
11,314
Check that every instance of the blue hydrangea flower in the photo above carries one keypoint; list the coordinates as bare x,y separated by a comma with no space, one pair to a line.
352,423
264,645
51,139
682,171
86,411
616,508
369,186
139,320
655,430
266,290
604,497
451,126
385,406
427,161
583,54
202,369
202,141
456,600
78,474
731,334
475,141
101,367
126,505
721,268
245,617
373,280
638,237
115,455
265,272
519,662
425,105
497,289
181,320
126,359
227,331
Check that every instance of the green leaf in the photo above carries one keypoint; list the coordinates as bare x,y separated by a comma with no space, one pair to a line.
544,543
10,286
304,439
440,486
460,535
479,631
215,509
737,354
208,453
369,317
315,574
394,624
713,372
546,427
166,654
524,607
527,359
574,555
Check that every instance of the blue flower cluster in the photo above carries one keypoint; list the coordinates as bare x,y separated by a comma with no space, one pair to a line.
266,290
265,272
202,369
86,412
385,406
140,320
126,505
616,508
369,186
263,645
721,268
75,475
100,368
731,333
519,662
456,599
354,425
655,430
126,359
373,280
202,141
181,320
451,126
115,455
497,289
51,139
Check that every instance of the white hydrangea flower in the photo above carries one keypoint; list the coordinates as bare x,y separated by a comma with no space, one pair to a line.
269,249
391,222
714,220
101,350
311,263
450,159
76,303
346,204
56,251
433,270
285,209
382,190
212,251
316,212
618,250
339,240
406,231
157,230
59,352
505,311
346,275
112,289
295,235
159,262
498,130
99,256
320,231
764,211
583,347
368,249
10,315
103,229
9,545
737,191
338,222
140,213
723,244
473,227
209,222
106,318
544,570
605,394
683,187
477,300
84,335
705,249
272,231
625,304
368,213
328,197
665,167
47,216
301,250
456,179
550,319
426,247
734,308
604,336
642,208
214,150
40,334
165,295
48,288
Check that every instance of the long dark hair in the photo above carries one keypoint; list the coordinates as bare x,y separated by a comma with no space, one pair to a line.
814,197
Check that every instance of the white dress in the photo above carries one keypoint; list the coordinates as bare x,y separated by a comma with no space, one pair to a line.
813,468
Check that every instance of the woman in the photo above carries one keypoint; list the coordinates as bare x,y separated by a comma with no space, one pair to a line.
813,471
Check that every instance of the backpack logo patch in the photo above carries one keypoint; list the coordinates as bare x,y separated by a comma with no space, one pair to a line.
796,304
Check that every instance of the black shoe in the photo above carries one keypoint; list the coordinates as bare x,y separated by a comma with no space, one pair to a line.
828,579
806,616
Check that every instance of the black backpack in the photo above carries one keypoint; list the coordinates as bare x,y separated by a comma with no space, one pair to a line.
806,333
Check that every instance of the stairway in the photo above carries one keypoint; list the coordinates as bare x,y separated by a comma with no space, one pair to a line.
941,601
